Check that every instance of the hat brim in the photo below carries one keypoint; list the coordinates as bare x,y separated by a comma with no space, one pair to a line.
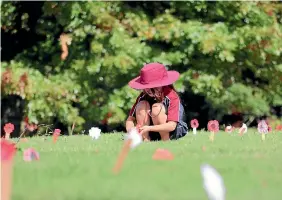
172,76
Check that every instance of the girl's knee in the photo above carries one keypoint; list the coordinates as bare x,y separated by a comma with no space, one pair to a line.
142,111
158,109
143,105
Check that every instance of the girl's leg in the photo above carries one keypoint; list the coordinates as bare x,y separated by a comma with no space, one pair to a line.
159,117
142,116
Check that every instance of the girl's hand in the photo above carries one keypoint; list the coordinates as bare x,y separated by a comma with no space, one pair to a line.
145,129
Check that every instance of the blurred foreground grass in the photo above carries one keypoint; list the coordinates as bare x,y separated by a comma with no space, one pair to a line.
77,167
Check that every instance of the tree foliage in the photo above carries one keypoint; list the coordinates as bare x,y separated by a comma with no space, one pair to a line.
228,52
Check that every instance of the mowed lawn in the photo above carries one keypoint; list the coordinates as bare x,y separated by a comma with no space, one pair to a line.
78,167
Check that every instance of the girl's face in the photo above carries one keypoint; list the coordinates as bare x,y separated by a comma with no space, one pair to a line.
153,92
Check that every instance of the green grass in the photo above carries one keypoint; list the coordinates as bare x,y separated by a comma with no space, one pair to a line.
79,168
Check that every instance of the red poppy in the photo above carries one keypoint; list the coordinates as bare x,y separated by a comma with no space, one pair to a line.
213,126
56,132
194,123
9,128
279,128
8,150
162,154
30,154
262,127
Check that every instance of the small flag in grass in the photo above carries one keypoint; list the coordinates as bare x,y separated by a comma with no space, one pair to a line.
212,183
213,127
56,135
8,128
243,129
262,129
194,124
229,129
30,155
278,127
8,151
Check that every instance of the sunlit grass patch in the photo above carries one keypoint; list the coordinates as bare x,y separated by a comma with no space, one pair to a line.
78,167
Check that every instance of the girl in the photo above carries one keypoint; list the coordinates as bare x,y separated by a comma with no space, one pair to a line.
157,111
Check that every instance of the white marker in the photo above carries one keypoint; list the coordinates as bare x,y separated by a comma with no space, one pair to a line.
95,133
136,138
213,183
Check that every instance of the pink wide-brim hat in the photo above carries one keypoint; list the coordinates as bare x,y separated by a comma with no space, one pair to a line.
153,75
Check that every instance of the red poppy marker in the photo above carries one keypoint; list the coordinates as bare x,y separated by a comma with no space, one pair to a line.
194,124
213,127
8,151
243,129
262,129
8,128
229,129
56,134
278,127
162,154
30,154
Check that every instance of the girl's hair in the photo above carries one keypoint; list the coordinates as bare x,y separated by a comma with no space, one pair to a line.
160,95
172,87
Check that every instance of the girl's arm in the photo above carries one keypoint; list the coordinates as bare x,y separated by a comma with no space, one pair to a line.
129,124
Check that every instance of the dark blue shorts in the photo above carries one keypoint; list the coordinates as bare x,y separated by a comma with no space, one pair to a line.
179,132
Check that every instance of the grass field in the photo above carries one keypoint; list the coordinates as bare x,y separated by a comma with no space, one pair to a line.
77,167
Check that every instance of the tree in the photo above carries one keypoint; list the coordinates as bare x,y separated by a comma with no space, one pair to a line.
227,52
